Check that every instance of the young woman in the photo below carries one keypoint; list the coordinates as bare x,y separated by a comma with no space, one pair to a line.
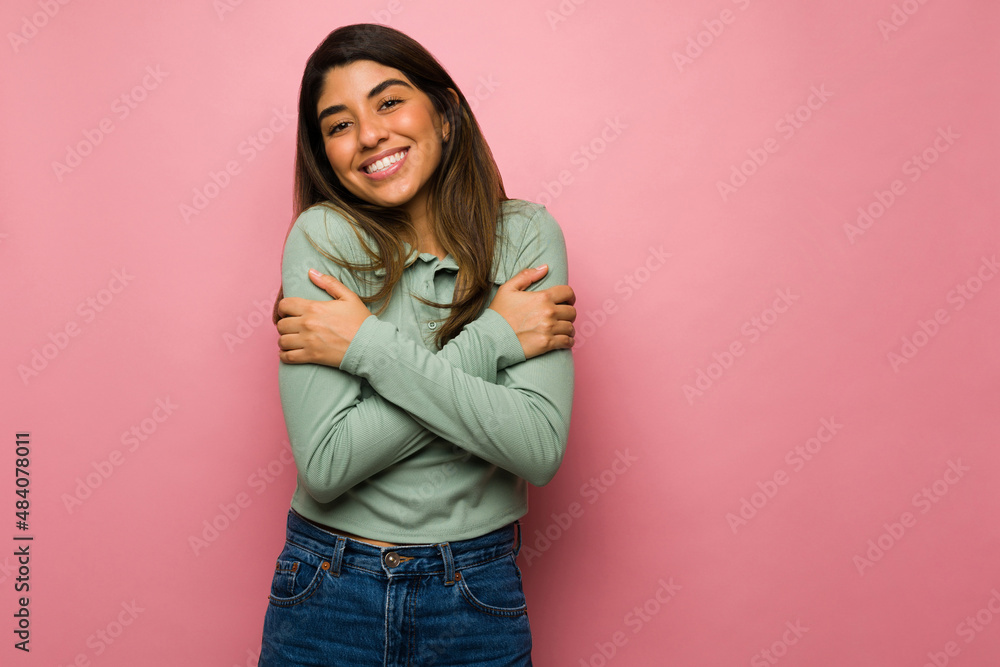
416,428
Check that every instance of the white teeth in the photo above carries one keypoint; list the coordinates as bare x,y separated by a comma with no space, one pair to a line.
384,163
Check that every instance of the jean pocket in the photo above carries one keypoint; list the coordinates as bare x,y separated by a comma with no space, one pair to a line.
298,574
493,588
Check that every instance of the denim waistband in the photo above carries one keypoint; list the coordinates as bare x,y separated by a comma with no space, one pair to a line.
404,560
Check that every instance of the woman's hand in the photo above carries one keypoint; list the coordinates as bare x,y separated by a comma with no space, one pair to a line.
319,332
542,320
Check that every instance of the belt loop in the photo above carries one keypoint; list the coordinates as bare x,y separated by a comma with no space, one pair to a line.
338,556
517,549
449,563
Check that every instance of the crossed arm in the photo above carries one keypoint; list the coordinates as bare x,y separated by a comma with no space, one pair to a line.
479,392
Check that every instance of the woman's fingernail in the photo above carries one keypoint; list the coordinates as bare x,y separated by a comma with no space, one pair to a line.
539,268
314,273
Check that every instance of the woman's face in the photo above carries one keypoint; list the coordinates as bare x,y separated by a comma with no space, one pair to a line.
371,115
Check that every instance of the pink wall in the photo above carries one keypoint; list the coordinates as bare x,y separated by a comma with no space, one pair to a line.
785,432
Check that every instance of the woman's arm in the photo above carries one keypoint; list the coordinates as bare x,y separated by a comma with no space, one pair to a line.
319,332
339,438
520,424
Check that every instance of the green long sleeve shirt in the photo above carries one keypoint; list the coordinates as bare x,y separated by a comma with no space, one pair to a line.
404,443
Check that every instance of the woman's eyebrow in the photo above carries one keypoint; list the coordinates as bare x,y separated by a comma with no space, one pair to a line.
337,108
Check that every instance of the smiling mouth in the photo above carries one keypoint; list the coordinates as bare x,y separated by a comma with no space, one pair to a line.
385,163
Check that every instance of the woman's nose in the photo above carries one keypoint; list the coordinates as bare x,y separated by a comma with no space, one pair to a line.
371,129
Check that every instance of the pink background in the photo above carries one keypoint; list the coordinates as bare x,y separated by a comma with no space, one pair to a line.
789,330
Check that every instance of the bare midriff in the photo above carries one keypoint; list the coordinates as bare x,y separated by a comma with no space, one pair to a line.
377,543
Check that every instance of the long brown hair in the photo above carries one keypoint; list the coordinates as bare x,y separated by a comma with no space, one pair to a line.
466,192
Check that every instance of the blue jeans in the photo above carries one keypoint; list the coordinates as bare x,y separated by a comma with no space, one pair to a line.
339,601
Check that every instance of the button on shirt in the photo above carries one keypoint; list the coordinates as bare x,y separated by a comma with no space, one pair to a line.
408,444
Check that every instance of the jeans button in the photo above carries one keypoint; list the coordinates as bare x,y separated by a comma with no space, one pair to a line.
391,559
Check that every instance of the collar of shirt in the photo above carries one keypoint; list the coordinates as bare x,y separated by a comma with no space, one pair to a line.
447,263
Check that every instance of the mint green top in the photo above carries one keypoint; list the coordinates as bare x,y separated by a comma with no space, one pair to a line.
404,443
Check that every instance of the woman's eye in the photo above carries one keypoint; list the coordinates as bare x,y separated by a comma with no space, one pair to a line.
389,102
